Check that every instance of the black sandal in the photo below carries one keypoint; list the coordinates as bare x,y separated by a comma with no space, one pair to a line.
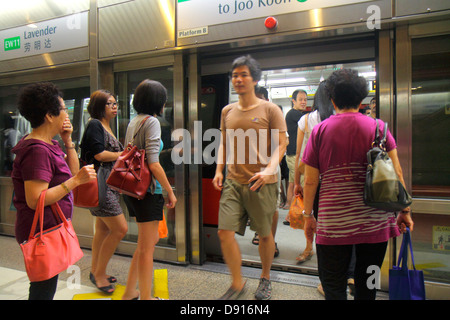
111,279
107,289
255,239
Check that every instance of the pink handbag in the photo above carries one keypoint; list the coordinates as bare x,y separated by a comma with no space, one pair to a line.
51,251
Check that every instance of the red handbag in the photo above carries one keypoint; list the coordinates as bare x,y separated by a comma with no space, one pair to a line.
131,174
51,251
86,195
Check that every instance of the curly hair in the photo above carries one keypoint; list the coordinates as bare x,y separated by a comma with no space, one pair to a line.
346,88
150,97
97,103
37,100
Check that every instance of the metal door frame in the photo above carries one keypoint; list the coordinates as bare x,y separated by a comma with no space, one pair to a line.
403,70
177,254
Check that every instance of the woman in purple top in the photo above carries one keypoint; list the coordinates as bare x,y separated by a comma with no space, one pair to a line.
40,164
336,151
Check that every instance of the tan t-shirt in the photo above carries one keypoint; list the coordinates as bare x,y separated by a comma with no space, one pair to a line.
251,136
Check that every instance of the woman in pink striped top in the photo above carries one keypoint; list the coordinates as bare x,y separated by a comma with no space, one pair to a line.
336,152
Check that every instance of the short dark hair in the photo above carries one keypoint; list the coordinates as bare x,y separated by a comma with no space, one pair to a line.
263,91
252,64
37,100
346,88
97,103
150,97
295,94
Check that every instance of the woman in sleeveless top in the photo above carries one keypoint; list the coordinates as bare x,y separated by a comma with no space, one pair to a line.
100,147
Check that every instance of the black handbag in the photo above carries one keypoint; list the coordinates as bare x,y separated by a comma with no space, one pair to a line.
383,189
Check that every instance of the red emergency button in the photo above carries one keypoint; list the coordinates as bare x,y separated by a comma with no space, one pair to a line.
270,23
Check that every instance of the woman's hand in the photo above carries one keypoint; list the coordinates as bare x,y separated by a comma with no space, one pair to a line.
85,174
310,227
172,200
404,220
66,131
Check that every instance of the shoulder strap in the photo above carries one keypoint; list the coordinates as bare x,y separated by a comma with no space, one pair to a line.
139,128
377,140
306,123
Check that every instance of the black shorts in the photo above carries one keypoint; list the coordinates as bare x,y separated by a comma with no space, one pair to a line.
148,209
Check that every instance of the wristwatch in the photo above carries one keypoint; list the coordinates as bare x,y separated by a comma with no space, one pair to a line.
307,215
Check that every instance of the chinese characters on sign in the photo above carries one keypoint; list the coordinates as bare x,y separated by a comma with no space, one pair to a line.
44,37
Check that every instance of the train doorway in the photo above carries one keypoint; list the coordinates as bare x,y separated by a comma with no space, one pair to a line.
280,80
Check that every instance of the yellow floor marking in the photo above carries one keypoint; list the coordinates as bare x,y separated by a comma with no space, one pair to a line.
160,284
117,295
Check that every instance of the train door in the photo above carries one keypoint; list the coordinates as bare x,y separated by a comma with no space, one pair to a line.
423,120
168,71
283,72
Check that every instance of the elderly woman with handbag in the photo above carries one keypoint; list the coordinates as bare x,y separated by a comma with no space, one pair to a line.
145,132
40,164
336,151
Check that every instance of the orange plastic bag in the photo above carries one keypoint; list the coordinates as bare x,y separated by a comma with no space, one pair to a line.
162,228
295,213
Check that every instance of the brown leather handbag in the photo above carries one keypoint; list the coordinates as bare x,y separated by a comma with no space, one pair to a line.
131,174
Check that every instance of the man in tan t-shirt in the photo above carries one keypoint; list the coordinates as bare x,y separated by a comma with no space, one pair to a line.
252,145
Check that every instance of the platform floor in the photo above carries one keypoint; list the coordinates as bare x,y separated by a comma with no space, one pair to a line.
192,282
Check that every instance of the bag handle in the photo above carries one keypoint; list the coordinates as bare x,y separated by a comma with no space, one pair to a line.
306,123
403,254
377,140
39,215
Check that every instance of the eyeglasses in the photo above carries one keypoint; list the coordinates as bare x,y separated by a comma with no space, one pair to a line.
64,109
112,105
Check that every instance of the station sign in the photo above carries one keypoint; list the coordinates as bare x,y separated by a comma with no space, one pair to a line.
193,14
53,35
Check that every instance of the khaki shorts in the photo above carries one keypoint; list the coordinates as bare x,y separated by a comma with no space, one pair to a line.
238,204
290,160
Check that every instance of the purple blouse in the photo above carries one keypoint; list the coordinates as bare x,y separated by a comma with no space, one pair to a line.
338,148
37,160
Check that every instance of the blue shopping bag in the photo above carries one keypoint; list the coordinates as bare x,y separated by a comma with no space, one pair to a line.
406,284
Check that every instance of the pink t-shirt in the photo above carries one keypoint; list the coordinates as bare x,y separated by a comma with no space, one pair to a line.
37,160
338,148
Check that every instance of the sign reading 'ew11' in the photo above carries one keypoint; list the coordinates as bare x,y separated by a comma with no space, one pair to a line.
44,37
199,13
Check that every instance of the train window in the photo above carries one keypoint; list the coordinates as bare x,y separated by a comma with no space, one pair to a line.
125,85
13,126
430,99
430,106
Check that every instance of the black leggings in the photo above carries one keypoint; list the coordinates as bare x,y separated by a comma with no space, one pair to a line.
333,262
43,290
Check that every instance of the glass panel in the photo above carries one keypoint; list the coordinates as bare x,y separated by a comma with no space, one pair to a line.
125,84
14,127
430,99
